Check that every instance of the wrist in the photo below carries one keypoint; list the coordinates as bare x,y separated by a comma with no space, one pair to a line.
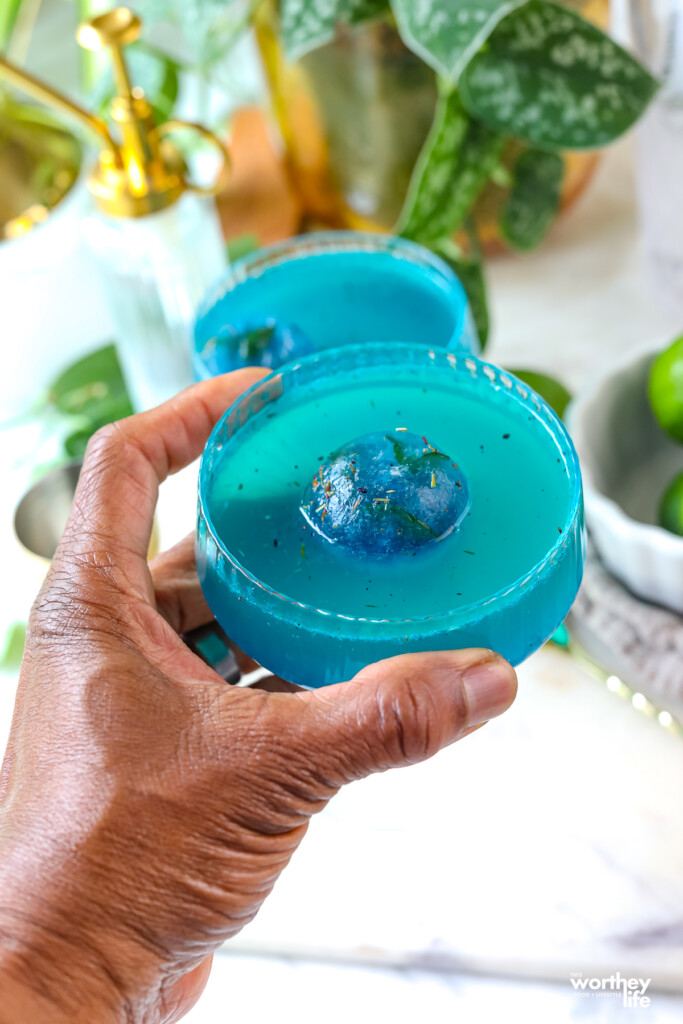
60,957
49,978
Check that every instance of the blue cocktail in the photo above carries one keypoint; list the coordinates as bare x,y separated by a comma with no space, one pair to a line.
483,512
327,290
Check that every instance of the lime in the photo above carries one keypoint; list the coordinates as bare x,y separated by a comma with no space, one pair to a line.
555,393
665,389
671,507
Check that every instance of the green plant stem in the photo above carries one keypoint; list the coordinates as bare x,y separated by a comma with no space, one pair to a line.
91,62
9,9
26,12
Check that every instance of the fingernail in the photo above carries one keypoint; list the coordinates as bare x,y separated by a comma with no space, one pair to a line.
490,687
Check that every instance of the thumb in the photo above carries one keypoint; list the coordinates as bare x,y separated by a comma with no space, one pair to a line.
403,710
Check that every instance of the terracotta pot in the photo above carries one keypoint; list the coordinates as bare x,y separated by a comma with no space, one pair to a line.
354,115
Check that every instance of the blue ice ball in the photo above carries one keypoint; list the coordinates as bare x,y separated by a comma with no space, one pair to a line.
260,342
386,494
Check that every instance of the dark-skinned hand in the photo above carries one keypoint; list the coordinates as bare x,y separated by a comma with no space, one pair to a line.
147,807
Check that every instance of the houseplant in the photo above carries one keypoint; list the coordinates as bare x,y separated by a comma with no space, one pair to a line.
516,90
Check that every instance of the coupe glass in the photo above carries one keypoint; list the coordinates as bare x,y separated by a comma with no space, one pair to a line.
504,580
336,288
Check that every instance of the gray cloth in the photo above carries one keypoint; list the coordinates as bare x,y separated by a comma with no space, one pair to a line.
640,642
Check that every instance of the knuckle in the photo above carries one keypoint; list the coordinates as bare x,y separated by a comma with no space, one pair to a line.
55,615
112,449
104,443
409,730
65,612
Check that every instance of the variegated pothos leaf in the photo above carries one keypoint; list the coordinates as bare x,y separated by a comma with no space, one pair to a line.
534,199
307,24
550,78
452,169
447,33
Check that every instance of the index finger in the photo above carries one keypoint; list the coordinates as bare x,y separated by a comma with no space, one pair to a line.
124,465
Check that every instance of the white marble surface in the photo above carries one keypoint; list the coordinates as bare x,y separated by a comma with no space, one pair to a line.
260,989
549,842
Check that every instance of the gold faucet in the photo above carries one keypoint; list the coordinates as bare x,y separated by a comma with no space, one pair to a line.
143,172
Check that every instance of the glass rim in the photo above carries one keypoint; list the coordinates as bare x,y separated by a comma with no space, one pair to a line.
459,362
255,263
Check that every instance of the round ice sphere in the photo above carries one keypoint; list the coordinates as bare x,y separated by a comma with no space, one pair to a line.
386,494
258,342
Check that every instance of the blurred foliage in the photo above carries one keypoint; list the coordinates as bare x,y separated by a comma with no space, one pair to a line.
12,650
525,70
456,161
153,71
549,388
469,268
528,70
9,12
241,246
548,77
311,23
91,393
534,198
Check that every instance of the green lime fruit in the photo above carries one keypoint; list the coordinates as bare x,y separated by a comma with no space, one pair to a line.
665,389
555,393
671,507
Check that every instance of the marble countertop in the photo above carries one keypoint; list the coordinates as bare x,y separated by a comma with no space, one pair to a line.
264,988
551,841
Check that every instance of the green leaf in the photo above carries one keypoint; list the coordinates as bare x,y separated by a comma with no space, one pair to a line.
306,24
552,390
399,450
206,30
561,637
9,11
97,416
431,183
92,392
12,649
241,246
164,99
447,35
76,443
154,72
548,77
256,342
456,161
91,381
470,271
501,176
534,200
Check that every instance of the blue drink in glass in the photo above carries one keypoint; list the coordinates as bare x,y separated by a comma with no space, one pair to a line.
327,290
306,600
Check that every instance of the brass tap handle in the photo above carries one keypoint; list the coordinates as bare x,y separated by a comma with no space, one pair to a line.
44,93
134,176
221,178
113,29
117,27
130,110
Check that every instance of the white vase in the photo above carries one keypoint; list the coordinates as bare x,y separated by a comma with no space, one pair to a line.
52,309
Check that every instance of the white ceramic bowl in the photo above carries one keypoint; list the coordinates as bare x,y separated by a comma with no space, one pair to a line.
627,461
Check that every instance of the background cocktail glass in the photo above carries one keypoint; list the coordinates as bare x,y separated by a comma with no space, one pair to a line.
336,288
